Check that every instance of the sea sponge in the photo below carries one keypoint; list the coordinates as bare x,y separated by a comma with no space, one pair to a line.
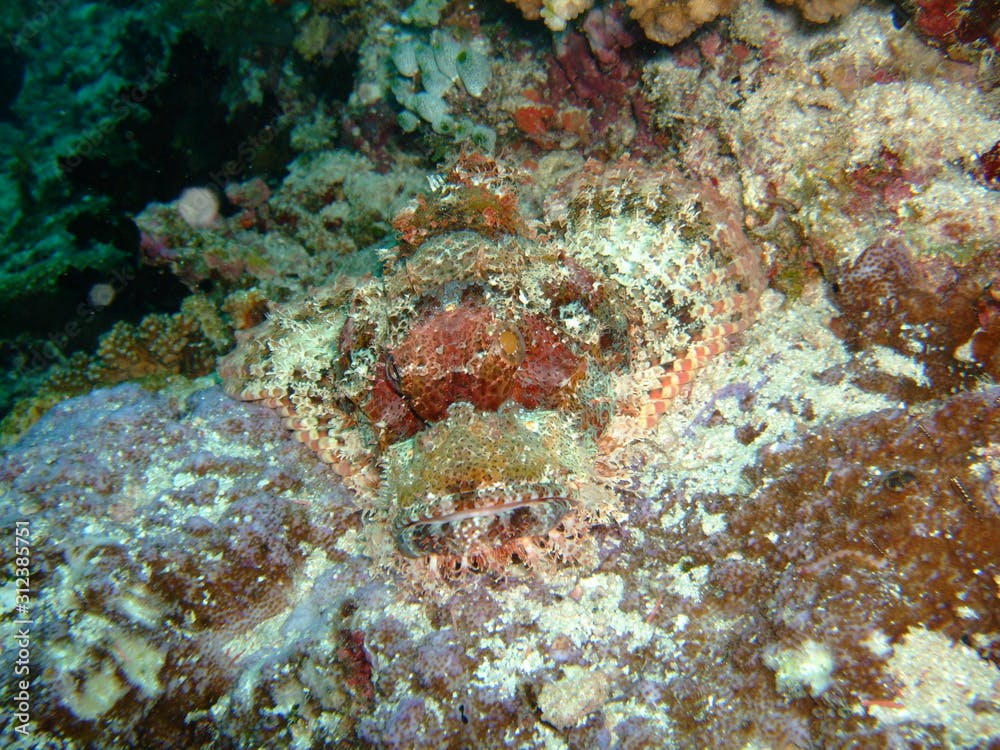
579,692
822,11
671,21
428,67
530,9
557,12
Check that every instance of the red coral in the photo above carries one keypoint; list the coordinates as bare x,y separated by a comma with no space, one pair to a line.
986,340
989,167
355,659
595,72
926,309
534,120
884,182
951,21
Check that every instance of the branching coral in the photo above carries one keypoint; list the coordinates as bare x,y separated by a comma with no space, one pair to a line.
161,346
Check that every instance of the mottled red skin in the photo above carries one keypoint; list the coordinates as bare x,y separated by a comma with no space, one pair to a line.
456,355
549,367
475,207
390,412
354,657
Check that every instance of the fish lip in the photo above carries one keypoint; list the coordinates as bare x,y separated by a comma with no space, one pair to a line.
490,510
557,501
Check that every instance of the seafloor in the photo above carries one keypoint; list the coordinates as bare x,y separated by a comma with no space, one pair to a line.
619,376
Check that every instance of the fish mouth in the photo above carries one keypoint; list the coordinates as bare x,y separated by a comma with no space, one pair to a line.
481,520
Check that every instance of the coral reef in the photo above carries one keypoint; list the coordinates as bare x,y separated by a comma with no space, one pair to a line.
595,74
153,353
332,204
940,313
823,11
963,27
671,21
438,63
854,577
670,423
865,533
835,164
148,555
61,210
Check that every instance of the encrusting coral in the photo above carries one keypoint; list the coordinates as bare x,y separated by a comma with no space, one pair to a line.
169,547
672,21
330,204
823,11
194,593
941,313
859,535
